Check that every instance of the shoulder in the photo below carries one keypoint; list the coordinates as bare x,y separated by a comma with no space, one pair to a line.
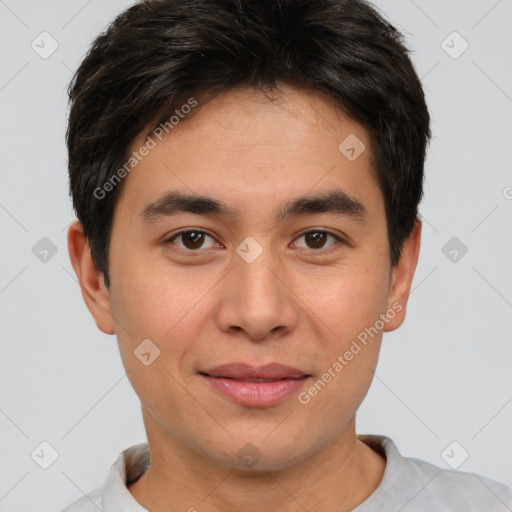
459,490
114,495
92,502
416,485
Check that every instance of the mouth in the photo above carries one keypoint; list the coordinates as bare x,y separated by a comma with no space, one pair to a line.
248,380
251,386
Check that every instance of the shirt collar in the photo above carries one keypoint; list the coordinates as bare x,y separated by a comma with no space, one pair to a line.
129,467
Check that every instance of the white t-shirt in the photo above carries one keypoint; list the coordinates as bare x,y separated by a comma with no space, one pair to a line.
408,485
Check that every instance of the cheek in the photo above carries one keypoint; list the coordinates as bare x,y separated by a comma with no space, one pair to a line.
336,395
349,354
355,307
146,307
347,300
149,307
155,299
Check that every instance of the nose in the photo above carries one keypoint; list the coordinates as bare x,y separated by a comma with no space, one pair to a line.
258,300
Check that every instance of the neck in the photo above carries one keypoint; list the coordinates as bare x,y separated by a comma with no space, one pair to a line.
339,477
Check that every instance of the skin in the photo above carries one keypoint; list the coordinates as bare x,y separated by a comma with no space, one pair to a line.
297,304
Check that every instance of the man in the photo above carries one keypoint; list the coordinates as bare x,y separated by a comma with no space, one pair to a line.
246,177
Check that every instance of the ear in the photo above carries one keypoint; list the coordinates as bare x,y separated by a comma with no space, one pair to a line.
94,291
402,277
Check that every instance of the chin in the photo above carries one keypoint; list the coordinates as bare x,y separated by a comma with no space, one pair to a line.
258,453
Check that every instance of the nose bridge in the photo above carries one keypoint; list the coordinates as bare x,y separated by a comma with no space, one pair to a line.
259,282
256,299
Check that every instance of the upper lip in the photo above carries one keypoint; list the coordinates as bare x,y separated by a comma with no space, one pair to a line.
246,371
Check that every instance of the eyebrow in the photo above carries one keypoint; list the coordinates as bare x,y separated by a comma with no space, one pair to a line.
333,201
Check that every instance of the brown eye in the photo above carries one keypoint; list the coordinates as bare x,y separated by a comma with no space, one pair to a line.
317,239
191,240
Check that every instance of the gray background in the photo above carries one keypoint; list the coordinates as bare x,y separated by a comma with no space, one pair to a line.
443,377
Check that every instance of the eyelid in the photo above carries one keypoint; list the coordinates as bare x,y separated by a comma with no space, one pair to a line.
320,230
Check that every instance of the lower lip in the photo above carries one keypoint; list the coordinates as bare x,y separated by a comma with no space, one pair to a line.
256,394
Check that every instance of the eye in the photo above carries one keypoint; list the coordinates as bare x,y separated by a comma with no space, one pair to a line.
191,240
316,239
194,239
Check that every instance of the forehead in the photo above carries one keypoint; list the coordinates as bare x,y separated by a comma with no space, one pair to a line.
246,147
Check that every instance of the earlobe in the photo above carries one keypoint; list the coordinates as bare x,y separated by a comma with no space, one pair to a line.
402,278
94,291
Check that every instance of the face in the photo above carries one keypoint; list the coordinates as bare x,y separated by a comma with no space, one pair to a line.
287,264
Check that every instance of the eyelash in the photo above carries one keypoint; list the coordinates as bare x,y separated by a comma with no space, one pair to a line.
170,240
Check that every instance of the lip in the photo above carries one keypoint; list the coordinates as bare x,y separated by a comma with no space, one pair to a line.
261,386
247,371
